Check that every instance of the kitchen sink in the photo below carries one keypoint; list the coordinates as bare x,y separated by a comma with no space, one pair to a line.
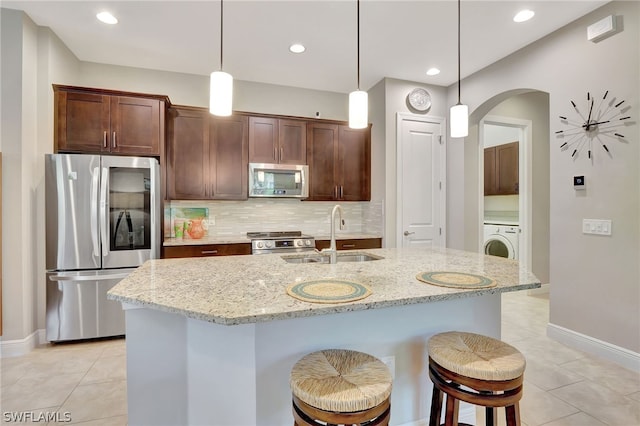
325,258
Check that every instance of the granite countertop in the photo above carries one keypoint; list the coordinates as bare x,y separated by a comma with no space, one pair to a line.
250,289
242,239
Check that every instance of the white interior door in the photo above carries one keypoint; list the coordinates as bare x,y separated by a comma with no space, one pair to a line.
421,186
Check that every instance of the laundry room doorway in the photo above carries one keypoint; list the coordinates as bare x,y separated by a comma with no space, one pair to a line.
515,131
505,190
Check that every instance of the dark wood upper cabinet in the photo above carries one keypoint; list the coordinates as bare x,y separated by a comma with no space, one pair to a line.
321,156
339,162
490,171
187,154
501,169
228,156
97,121
277,141
354,164
207,156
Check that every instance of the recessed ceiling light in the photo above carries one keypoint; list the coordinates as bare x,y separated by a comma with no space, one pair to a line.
107,18
433,71
297,48
524,15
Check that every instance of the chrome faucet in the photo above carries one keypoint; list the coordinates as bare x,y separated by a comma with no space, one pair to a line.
332,250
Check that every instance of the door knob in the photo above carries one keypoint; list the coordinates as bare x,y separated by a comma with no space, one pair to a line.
407,233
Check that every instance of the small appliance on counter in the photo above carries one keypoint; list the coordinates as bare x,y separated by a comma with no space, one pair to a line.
102,221
280,242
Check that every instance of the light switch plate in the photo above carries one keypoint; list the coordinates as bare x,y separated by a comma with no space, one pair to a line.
596,226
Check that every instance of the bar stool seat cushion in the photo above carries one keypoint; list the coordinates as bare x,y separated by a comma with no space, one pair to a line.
476,356
341,380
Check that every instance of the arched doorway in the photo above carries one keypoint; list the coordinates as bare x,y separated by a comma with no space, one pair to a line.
527,113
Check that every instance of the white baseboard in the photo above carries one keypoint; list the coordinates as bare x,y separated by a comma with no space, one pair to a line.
610,352
19,347
544,289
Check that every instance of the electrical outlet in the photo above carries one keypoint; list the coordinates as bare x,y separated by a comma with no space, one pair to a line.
390,362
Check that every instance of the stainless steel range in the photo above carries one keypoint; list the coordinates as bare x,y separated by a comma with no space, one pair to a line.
280,242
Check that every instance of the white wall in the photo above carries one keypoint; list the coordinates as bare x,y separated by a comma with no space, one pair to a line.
588,273
19,140
193,90
497,135
394,100
32,58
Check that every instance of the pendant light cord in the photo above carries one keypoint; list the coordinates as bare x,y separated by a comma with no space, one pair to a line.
358,29
221,32
459,52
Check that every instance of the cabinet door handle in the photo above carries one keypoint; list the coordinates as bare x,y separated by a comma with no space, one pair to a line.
335,191
209,251
340,191
104,139
348,246
281,153
113,142
275,153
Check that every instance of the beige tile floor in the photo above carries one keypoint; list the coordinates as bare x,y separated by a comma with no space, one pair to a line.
563,386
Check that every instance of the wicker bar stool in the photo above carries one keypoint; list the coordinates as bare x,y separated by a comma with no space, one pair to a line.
476,369
340,387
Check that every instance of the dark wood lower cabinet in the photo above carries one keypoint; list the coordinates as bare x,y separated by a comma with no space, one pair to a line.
351,244
206,250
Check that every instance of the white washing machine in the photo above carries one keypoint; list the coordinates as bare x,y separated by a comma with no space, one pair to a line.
501,240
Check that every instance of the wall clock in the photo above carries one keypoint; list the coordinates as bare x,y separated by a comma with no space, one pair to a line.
419,99
596,125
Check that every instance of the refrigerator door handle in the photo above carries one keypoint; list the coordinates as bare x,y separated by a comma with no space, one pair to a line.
59,278
95,176
104,234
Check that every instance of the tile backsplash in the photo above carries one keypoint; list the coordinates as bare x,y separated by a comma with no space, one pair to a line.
236,218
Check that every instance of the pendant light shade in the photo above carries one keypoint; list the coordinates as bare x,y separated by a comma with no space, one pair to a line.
459,113
358,109
221,83
359,99
221,93
459,120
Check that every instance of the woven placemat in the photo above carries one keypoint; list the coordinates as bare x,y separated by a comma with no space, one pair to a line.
456,279
328,291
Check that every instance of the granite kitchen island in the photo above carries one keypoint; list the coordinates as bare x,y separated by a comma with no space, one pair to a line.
211,341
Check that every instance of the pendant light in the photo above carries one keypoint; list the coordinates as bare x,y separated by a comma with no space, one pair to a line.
459,113
359,99
221,85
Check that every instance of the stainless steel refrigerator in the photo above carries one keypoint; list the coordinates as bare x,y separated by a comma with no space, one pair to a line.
102,221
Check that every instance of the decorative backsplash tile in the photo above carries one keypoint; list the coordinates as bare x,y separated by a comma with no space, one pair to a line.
236,218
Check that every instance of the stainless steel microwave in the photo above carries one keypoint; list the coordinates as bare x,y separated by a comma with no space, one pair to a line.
278,180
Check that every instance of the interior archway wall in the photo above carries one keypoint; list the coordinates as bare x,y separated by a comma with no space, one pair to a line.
525,104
